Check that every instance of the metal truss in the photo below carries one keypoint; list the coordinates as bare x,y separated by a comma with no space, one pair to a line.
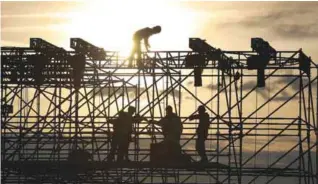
54,101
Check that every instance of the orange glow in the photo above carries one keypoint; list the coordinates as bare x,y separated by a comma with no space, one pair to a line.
111,24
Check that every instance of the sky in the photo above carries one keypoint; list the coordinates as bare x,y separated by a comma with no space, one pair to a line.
225,25
110,24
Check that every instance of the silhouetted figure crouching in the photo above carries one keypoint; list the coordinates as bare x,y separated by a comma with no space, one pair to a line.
77,163
169,148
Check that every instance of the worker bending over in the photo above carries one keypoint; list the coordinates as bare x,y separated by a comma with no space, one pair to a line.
142,34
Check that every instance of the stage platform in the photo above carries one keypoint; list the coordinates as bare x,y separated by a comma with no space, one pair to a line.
101,165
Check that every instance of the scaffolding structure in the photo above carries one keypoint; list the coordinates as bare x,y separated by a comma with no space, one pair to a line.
262,103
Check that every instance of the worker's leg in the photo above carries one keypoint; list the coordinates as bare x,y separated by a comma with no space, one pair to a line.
132,56
113,148
122,148
126,148
123,153
138,51
200,147
120,156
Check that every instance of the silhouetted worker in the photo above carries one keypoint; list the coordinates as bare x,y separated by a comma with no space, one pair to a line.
202,131
142,34
123,127
169,150
171,126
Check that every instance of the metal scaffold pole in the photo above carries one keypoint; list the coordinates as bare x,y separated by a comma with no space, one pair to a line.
59,110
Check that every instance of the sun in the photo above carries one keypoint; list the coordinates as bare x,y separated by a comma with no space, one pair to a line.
111,24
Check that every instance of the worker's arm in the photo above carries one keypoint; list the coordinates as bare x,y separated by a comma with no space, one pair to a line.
159,123
138,118
146,40
112,121
194,116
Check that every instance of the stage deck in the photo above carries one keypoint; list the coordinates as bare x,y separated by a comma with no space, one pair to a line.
101,165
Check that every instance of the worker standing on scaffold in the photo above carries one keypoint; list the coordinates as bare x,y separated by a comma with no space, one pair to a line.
142,34
172,129
202,131
123,128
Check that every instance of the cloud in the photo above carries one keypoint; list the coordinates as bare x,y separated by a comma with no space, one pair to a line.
40,15
295,84
283,96
291,89
272,16
11,43
247,86
297,31
9,8
188,98
286,21
190,83
131,92
175,92
30,28
119,90
211,86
